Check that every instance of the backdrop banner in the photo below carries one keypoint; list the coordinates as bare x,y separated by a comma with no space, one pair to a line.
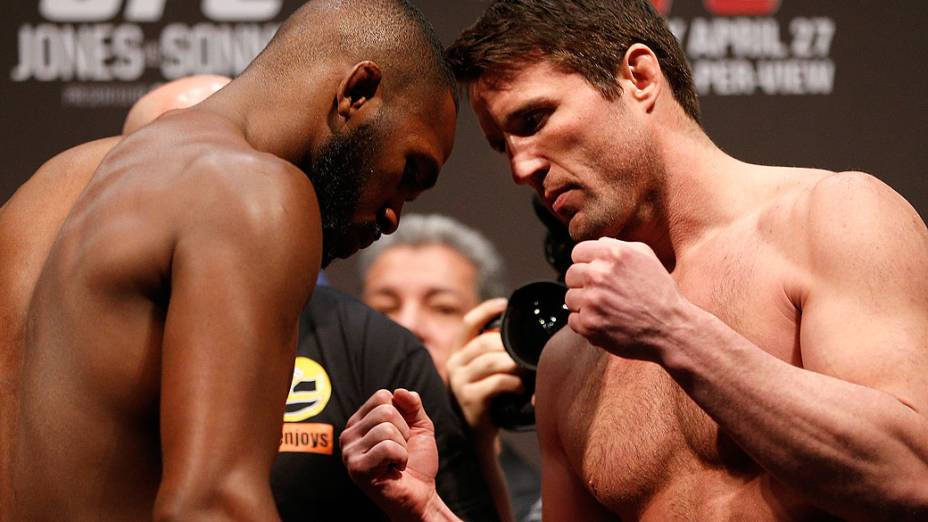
822,83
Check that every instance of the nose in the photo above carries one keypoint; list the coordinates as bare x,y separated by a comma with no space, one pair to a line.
388,219
528,168
410,317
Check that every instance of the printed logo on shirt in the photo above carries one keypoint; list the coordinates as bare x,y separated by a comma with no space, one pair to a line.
310,437
310,391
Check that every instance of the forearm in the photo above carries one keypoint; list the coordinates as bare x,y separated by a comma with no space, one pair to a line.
485,446
853,450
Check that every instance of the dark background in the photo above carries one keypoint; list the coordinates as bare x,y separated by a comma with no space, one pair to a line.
873,119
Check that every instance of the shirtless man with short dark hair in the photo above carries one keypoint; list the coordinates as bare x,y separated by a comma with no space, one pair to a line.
155,281
746,342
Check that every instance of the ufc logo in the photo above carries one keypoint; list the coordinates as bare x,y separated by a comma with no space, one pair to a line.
742,7
152,10
728,7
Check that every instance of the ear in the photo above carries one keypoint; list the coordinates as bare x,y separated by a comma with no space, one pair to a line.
640,75
357,89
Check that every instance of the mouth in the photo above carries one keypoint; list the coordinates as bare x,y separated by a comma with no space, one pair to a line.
369,239
358,239
556,199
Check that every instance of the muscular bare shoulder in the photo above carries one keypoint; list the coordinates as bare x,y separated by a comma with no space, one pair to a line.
852,217
817,217
853,206
865,309
250,205
251,193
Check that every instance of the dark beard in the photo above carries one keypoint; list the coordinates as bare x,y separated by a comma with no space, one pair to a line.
341,168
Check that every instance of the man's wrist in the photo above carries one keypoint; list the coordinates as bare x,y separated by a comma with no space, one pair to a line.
686,330
435,510
438,511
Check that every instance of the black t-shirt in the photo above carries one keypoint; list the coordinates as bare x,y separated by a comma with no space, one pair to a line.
347,351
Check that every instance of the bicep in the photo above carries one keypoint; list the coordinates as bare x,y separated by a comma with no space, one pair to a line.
228,349
865,318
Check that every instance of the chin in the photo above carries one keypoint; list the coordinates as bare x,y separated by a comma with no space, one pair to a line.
580,230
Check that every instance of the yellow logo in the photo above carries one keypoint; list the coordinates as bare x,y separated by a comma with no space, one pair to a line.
308,437
310,390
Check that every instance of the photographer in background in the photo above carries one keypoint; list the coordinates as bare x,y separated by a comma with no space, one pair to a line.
431,276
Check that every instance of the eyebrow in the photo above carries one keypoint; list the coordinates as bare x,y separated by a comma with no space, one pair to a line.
440,291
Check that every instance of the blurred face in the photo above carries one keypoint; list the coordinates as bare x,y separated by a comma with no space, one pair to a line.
427,289
364,175
588,158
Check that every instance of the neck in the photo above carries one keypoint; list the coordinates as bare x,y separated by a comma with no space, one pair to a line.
702,190
288,121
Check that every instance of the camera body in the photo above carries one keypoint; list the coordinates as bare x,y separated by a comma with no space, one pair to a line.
534,314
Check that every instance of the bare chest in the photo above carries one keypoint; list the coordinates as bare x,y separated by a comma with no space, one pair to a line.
633,432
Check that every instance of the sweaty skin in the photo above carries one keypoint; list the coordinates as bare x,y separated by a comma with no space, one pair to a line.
157,282
40,207
116,321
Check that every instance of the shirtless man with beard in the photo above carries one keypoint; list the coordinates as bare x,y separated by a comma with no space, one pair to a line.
746,342
152,283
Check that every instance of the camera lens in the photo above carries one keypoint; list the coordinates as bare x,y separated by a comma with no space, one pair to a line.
535,313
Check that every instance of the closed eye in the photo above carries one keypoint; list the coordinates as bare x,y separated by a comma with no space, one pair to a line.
524,122
420,174
530,122
530,118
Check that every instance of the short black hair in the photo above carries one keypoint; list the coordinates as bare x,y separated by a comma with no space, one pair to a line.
392,33
589,37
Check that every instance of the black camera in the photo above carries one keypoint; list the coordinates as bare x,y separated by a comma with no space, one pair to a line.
534,314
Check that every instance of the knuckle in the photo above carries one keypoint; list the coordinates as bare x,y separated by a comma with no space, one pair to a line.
590,322
382,395
351,461
383,431
346,437
381,411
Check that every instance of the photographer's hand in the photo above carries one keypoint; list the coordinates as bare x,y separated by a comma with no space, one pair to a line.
479,368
